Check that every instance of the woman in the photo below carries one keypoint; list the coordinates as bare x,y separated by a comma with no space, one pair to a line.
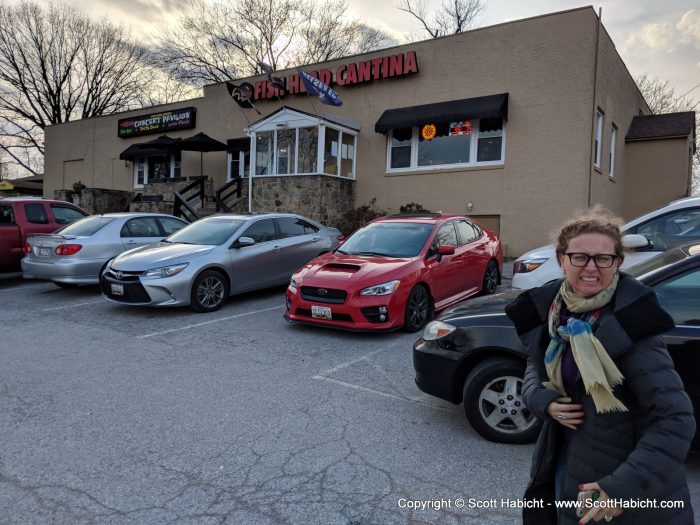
616,417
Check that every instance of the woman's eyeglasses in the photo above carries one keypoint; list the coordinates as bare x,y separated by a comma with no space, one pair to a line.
602,260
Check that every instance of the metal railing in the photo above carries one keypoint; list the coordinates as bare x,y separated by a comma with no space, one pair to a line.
225,192
183,206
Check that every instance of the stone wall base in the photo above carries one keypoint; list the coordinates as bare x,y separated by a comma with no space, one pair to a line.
97,200
319,197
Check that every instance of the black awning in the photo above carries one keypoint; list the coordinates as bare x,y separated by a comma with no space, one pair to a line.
135,151
441,112
242,144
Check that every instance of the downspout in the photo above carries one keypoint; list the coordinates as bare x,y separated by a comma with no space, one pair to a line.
595,108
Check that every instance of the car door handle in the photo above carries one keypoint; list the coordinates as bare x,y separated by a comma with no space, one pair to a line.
130,242
315,239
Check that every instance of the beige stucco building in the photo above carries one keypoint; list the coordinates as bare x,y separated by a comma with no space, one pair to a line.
523,123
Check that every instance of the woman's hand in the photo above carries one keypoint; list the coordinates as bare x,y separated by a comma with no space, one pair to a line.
565,412
602,512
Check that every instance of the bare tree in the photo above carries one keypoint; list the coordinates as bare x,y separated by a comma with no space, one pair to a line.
661,97
452,17
226,39
326,35
55,66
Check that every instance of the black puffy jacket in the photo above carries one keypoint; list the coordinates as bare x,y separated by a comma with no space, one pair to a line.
635,455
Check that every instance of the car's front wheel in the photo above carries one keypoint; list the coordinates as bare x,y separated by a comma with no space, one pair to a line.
209,291
418,309
493,402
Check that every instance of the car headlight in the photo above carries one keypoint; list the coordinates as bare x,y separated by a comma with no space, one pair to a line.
381,289
165,271
528,265
293,284
435,330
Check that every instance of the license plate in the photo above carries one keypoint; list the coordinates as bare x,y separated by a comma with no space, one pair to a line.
117,289
44,252
321,312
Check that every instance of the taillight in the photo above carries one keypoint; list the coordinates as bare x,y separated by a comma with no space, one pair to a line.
27,248
68,249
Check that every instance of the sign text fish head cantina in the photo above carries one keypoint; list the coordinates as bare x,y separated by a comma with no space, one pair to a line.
392,66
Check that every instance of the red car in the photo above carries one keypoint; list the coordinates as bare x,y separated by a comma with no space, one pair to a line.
396,272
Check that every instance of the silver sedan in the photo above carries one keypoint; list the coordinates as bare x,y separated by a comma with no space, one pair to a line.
215,257
78,253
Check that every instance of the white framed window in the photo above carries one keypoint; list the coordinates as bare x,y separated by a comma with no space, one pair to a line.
473,142
598,142
155,168
305,150
140,172
290,142
611,155
238,164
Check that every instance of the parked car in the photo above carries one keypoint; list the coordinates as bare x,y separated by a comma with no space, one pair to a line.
78,253
23,216
646,236
395,272
215,257
472,354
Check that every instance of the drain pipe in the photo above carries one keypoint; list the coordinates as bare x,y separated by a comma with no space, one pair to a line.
595,109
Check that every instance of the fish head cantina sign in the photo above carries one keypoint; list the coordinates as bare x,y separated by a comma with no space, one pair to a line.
157,122
391,66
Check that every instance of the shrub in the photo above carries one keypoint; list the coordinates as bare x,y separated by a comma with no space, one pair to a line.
357,217
411,207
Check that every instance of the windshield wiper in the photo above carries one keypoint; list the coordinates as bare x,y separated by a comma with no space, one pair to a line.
371,253
341,251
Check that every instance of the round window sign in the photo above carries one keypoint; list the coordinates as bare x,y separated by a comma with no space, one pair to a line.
428,132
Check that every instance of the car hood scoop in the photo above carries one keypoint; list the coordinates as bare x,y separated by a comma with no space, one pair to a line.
342,267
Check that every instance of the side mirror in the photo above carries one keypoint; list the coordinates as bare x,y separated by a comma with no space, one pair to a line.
445,249
242,242
635,241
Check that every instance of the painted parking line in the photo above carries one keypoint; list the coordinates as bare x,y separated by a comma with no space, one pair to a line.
72,305
323,376
23,286
180,328
414,400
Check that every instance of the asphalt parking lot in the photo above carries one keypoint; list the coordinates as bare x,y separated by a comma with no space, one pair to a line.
112,414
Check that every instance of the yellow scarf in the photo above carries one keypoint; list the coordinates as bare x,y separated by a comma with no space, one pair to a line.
599,373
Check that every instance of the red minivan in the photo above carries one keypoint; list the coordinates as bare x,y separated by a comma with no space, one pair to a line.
23,216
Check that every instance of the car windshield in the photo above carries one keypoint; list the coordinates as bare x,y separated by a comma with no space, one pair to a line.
388,239
214,231
87,226
656,262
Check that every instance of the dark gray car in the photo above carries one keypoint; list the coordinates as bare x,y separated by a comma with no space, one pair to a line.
204,263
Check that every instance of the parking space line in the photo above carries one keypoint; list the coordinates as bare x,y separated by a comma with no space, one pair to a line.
321,375
385,394
23,286
72,305
180,328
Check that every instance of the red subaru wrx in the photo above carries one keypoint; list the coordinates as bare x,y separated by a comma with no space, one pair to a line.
396,272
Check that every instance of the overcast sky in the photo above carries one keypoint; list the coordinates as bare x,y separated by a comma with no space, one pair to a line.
658,37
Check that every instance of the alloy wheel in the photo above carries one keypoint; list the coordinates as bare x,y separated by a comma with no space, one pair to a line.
502,408
491,278
418,307
210,292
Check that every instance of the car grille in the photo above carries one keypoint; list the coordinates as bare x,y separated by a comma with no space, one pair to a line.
134,292
336,317
311,293
127,277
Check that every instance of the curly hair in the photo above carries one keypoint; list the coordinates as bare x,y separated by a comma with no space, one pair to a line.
595,220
